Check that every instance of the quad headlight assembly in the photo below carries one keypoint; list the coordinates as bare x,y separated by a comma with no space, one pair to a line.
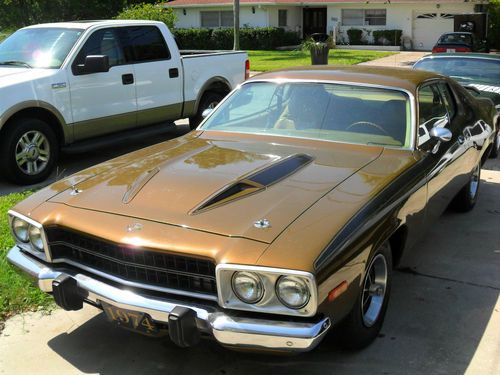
267,290
29,234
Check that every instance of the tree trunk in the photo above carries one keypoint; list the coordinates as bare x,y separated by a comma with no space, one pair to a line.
236,12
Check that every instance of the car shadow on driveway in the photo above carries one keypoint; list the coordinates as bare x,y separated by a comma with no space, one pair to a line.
441,318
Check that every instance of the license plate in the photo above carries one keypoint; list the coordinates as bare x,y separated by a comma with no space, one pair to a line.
450,50
133,320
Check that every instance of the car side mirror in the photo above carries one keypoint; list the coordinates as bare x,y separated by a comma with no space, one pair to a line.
441,134
93,64
206,112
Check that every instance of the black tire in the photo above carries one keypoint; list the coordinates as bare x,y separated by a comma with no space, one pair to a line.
466,199
209,100
360,328
495,150
39,160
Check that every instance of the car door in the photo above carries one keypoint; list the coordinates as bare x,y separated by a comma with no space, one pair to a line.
448,162
158,75
103,102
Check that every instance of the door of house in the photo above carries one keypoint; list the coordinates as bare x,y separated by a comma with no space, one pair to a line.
314,21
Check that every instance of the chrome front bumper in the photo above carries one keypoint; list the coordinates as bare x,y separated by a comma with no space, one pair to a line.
232,331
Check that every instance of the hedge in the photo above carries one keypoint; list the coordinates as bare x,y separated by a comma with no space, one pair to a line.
387,37
355,37
259,38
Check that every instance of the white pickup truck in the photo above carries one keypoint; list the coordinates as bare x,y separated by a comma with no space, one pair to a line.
63,83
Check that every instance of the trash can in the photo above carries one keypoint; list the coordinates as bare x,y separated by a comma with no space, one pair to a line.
320,50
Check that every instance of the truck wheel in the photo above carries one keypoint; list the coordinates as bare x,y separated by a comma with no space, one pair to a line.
209,100
28,151
363,323
466,199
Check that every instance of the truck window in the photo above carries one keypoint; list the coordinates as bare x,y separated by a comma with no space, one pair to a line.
102,42
146,43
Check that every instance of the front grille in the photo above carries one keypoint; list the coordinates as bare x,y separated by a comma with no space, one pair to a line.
151,268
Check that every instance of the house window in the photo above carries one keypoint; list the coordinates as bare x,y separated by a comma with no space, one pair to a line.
217,18
282,18
363,17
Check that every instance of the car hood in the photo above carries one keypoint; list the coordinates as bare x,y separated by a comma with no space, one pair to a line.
11,75
220,182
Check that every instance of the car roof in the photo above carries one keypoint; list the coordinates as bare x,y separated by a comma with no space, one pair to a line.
398,78
85,24
458,33
469,55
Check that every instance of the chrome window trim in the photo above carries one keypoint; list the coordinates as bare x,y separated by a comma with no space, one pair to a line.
132,283
411,97
45,256
269,303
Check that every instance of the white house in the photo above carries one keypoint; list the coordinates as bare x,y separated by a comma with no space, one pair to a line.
422,21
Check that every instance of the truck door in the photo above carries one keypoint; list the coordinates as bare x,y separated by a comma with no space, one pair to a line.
158,75
103,102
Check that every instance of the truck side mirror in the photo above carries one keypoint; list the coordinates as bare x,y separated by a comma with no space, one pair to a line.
93,64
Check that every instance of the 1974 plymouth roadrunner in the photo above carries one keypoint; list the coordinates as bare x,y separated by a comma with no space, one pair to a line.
281,216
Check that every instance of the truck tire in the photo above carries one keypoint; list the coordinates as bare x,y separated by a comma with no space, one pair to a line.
362,325
28,151
209,100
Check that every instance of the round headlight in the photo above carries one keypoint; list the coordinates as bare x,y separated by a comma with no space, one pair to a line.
292,291
248,287
35,236
20,229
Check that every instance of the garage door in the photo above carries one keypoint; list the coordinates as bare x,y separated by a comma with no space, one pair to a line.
428,27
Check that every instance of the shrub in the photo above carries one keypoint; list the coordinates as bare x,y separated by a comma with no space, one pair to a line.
387,37
494,24
355,36
259,38
153,12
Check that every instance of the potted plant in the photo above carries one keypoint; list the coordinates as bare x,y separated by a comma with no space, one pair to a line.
319,46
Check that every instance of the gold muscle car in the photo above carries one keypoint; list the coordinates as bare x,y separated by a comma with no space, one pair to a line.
279,218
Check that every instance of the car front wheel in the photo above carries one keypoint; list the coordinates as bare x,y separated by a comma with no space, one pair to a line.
363,323
29,150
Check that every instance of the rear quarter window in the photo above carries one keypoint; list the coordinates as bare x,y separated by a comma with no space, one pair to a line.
146,43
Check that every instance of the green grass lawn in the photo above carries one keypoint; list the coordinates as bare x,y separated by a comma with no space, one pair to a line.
269,60
17,294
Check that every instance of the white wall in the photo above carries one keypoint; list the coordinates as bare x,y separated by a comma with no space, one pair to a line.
399,16
247,18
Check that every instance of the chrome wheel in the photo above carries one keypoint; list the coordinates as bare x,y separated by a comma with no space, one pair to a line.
374,290
212,105
474,182
32,152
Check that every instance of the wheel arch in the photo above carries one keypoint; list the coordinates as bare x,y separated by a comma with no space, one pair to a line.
39,110
218,85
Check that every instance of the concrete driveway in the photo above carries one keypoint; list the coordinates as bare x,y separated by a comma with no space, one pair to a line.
443,318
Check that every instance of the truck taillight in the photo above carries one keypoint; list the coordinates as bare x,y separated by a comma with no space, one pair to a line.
247,69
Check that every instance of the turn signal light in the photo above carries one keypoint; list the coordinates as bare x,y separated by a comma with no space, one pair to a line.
337,291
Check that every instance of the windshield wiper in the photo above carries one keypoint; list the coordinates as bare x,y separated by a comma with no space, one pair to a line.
15,62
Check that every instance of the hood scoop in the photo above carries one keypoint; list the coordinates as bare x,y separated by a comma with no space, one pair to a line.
255,182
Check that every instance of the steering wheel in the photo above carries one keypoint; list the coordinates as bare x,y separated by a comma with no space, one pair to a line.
371,124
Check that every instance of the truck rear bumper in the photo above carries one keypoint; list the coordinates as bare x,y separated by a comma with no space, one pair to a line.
228,330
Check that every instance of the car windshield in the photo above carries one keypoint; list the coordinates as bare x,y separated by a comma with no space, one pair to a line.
38,47
464,68
455,39
323,111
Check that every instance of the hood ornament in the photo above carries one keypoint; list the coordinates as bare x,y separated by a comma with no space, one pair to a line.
262,224
135,227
